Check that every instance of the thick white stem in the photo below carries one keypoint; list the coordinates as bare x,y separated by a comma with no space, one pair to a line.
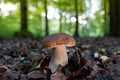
59,57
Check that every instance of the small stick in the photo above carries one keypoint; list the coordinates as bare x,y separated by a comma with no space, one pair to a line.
78,53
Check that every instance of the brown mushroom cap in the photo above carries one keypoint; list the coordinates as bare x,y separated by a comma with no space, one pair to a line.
58,39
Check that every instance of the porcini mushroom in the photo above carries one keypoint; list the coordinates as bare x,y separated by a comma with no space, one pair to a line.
58,43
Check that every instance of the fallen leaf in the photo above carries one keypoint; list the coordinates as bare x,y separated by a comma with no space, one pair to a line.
58,75
36,74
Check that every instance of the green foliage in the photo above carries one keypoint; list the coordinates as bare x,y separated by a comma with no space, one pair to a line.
8,26
69,7
36,61
36,22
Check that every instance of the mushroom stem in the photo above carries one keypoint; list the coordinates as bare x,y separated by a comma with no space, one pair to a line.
59,57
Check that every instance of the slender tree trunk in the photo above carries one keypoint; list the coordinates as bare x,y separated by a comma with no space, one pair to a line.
60,23
89,28
114,18
105,27
60,13
76,33
46,18
23,6
69,26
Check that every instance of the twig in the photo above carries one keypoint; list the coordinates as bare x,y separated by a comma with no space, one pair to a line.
78,53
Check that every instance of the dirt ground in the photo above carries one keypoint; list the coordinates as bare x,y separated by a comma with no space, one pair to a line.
91,59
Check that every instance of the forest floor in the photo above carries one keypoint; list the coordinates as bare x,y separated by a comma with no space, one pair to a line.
91,59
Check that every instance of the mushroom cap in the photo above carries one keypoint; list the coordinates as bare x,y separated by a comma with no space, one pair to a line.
58,39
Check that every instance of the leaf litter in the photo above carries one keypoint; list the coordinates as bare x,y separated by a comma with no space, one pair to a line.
90,59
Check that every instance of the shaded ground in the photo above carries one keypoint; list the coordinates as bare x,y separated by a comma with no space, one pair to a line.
91,59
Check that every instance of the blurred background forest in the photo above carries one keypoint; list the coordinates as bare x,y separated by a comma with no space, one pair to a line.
39,18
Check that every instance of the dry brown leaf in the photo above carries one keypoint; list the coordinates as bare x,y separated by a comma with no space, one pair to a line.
36,74
58,75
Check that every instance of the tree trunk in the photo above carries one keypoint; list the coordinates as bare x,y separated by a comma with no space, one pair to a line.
114,18
60,13
24,24
23,6
105,28
76,33
60,23
46,19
